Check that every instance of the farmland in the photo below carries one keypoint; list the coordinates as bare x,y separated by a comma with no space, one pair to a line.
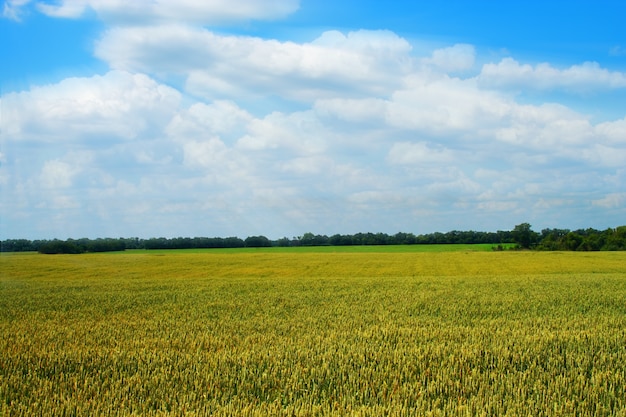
313,332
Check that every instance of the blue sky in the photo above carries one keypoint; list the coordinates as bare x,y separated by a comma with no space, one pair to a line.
279,117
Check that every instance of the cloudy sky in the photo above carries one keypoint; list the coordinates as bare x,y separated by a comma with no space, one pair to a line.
224,118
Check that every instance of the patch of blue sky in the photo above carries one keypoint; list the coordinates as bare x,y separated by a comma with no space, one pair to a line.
40,50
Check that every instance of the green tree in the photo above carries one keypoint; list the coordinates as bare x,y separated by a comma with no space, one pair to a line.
257,242
59,246
616,239
524,236
307,239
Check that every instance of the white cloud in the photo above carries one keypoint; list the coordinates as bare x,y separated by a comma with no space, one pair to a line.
377,42
204,12
362,111
613,132
498,206
59,203
586,77
459,185
210,153
218,118
12,9
57,174
459,57
457,112
603,155
117,105
551,127
362,62
379,138
65,9
385,198
206,134
419,154
307,165
446,104
299,133
430,105
610,201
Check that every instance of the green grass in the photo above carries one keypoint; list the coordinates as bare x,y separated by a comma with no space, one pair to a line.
307,333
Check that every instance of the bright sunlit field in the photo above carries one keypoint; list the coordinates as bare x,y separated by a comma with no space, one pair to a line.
305,333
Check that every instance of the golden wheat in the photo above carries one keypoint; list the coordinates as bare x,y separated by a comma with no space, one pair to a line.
313,334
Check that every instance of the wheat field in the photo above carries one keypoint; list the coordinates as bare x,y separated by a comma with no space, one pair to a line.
303,333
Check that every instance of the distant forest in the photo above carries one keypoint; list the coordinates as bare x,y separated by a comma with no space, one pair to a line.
521,237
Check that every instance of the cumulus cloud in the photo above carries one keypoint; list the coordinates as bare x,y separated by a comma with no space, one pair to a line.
206,133
362,111
459,57
588,76
143,11
544,127
57,174
419,154
362,62
446,104
378,42
428,105
378,138
300,133
444,117
117,105
220,117
208,153
613,132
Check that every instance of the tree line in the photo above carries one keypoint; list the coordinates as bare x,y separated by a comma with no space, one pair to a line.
582,240
522,237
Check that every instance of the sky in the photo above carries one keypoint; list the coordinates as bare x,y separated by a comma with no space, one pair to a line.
167,118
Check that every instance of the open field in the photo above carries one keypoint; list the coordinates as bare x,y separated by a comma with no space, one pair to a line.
306,333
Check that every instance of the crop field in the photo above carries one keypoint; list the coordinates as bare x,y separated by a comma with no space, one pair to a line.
310,333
